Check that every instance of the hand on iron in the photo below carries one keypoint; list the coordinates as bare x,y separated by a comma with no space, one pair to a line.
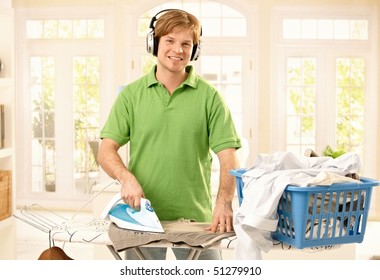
131,193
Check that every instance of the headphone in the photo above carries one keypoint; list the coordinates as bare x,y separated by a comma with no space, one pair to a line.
152,41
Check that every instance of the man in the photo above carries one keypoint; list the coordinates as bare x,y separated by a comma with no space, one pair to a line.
172,118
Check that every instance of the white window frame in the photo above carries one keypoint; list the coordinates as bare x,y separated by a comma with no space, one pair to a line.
325,133
64,50
317,48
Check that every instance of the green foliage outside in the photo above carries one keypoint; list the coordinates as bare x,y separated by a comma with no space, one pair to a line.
330,152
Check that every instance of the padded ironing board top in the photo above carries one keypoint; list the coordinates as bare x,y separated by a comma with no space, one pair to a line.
95,231
83,231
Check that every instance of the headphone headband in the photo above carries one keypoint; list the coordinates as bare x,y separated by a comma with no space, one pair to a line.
152,41
151,26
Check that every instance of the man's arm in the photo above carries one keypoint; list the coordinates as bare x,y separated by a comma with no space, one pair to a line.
223,214
110,161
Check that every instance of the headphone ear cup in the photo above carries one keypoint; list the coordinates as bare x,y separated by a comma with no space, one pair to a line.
155,45
196,52
150,42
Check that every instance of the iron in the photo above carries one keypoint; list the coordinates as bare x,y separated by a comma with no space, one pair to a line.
126,217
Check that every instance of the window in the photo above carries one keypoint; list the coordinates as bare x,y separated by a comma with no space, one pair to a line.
65,29
42,70
85,122
220,20
335,29
325,84
225,72
350,94
301,97
63,73
86,102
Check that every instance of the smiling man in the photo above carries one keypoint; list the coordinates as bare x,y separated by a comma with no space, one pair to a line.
173,119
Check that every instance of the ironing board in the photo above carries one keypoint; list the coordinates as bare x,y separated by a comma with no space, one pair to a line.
96,231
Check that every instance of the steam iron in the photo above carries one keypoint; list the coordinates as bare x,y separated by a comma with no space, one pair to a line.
126,217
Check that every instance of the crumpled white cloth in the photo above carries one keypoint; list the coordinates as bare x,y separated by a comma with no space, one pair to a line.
264,183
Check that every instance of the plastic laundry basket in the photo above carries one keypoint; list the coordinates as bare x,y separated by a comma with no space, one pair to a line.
320,215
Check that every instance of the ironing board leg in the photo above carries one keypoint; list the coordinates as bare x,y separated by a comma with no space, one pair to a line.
117,256
193,254
139,253
114,253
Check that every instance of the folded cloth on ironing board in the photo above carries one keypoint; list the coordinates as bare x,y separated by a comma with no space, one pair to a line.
180,231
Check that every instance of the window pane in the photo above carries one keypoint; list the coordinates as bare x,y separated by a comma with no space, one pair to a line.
80,29
359,29
217,19
143,26
95,28
293,129
301,98
234,27
225,72
34,29
350,73
309,28
65,29
211,66
211,27
324,29
291,29
50,29
50,165
229,12
43,123
86,73
294,71
211,9
342,29
38,183
147,62
231,69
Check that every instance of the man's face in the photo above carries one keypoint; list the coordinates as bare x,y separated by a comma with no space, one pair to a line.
174,50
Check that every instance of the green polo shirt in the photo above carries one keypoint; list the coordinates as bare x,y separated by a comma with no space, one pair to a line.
170,138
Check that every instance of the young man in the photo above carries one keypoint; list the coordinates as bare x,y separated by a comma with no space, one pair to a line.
172,118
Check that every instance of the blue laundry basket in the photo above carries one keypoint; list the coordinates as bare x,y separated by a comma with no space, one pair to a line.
320,215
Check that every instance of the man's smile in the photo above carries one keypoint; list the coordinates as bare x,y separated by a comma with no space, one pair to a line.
175,58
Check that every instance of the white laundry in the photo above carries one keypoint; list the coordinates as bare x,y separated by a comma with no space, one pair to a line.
264,183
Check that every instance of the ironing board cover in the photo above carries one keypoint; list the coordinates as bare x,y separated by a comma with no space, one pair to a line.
97,231
83,230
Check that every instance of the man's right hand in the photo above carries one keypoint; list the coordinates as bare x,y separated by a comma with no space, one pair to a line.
131,192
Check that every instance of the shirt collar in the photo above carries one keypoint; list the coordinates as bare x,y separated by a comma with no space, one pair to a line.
190,81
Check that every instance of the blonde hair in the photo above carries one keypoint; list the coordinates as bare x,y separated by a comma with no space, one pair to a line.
174,19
